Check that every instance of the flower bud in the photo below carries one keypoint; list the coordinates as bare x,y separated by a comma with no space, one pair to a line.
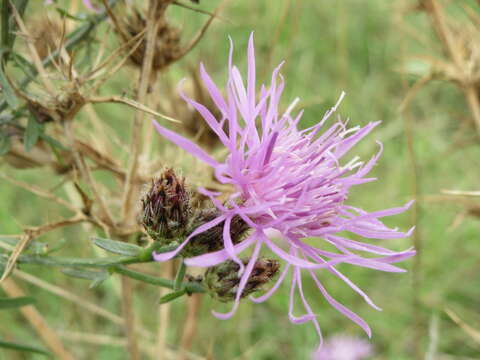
212,239
222,280
166,207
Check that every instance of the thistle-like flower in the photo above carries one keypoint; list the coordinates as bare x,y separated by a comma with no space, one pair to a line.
292,182
344,347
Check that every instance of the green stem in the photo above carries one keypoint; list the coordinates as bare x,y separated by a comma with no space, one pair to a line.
5,27
177,285
190,287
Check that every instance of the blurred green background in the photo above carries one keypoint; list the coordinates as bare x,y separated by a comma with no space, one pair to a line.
360,47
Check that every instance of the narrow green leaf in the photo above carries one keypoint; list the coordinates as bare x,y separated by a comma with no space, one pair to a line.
7,303
53,142
32,133
84,274
65,13
35,246
97,277
179,277
118,247
172,296
7,91
23,347
26,66
98,281
149,279
58,261
190,287
4,143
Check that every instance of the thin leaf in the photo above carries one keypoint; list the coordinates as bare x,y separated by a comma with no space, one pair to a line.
58,261
98,281
81,18
35,246
190,287
32,133
7,91
4,143
8,303
84,274
179,277
118,247
23,347
53,142
26,66
172,296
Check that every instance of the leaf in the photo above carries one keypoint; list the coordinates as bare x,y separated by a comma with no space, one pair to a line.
8,91
98,281
84,274
7,303
65,13
190,287
23,347
53,142
97,277
32,133
118,247
177,285
26,66
172,296
4,143
36,246
73,262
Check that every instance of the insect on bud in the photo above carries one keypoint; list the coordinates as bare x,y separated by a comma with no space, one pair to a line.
166,207
222,280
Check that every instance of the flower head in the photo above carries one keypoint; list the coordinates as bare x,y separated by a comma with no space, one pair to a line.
289,181
222,280
343,347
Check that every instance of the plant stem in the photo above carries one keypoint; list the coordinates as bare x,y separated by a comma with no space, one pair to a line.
190,287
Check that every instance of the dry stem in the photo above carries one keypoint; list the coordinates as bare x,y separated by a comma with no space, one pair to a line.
41,327
128,315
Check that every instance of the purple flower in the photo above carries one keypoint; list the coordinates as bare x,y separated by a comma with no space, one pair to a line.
87,3
292,182
343,347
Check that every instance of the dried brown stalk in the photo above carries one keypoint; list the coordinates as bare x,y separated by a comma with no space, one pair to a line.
163,314
33,51
32,233
451,47
49,337
129,317
153,20
189,329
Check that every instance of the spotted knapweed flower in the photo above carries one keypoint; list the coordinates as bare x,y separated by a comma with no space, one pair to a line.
292,182
344,347
87,3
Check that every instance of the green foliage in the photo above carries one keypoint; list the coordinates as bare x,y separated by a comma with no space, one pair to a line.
23,347
118,247
7,303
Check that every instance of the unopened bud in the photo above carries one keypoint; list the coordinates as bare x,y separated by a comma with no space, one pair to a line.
166,207
222,280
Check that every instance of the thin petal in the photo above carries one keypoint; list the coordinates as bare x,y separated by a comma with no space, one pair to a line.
185,144
168,255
